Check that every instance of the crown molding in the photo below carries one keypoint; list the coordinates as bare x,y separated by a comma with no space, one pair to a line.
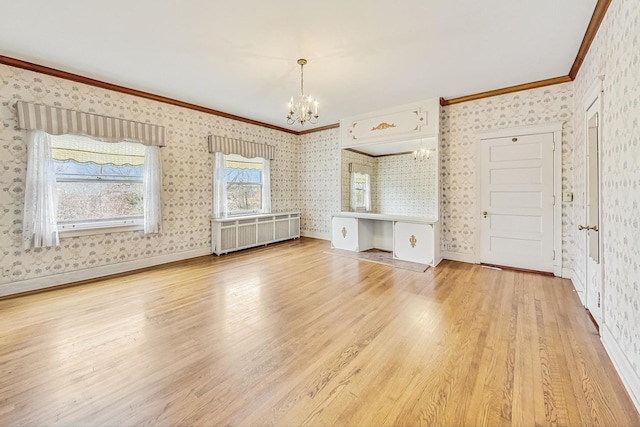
505,90
592,29
13,62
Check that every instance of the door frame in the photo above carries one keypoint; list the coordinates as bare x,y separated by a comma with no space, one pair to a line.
552,127
594,95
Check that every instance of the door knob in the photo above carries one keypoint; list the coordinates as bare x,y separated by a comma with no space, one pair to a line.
586,227
485,213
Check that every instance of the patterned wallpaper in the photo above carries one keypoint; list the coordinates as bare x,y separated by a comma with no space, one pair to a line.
459,125
615,53
319,181
400,185
186,197
407,186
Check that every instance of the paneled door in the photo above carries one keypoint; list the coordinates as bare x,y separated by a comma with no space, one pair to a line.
592,227
517,201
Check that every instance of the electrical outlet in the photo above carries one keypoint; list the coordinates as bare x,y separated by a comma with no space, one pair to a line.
449,246
6,271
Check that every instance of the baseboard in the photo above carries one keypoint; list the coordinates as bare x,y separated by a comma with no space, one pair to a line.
629,377
321,236
96,272
578,285
455,256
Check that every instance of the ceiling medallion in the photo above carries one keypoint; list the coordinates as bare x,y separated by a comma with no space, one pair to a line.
305,109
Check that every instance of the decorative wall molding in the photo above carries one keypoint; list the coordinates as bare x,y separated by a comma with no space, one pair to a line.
39,283
623,366
122,89
506,90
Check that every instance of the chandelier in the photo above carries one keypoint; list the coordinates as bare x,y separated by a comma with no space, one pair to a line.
305,109
421,154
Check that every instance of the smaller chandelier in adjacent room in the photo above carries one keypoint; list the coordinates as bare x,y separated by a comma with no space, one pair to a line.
305,109
421,154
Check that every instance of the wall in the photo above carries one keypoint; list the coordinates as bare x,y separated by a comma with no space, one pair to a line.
319,185
186,197
615,53
407,186
459,126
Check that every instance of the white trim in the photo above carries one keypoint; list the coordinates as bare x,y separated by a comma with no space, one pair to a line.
321,236
455,256
593,98
556,129
569,273
628,375
550,127
96,272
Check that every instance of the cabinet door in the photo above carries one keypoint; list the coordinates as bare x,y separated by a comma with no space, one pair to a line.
344,233
413,242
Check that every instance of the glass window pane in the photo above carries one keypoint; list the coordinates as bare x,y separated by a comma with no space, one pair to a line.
98,180
98,200
244,184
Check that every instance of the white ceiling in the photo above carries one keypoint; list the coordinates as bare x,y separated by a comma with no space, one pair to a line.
240,56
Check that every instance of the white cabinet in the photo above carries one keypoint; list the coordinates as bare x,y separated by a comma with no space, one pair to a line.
413,242
411,238
344,233
232,234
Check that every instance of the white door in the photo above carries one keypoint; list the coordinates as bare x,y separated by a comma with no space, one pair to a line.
517,202
591,229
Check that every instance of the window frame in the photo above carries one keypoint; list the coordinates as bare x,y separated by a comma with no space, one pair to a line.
256,160
365,191
74,228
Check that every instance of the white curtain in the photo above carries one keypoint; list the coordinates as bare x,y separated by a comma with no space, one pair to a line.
367,193
266,187
353,194
219,186
39,226
152,190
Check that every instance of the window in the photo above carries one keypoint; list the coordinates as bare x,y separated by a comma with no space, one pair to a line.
98,184
244,184
361,191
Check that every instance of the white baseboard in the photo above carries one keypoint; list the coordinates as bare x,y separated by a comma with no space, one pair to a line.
321,236
629,377
578,285
455,256
96,272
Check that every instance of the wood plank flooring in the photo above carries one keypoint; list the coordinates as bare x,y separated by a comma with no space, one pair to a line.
290,335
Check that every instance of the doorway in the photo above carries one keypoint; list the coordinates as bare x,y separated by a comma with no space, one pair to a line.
592,230
519,184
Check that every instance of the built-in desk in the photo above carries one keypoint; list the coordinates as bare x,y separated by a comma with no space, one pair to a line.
410,238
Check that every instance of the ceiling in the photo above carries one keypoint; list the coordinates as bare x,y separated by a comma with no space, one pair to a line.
240,57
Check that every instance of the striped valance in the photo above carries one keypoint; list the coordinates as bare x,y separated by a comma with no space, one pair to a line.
222,144
60,121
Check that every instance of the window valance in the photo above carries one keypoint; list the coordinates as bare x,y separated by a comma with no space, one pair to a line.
225,145
360,168
60,121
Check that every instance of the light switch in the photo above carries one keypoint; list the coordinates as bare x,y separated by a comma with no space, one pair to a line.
567,196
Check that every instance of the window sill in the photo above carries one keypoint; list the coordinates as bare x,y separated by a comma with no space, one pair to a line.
92,229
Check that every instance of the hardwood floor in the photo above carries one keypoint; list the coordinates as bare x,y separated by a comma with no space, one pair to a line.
290,335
